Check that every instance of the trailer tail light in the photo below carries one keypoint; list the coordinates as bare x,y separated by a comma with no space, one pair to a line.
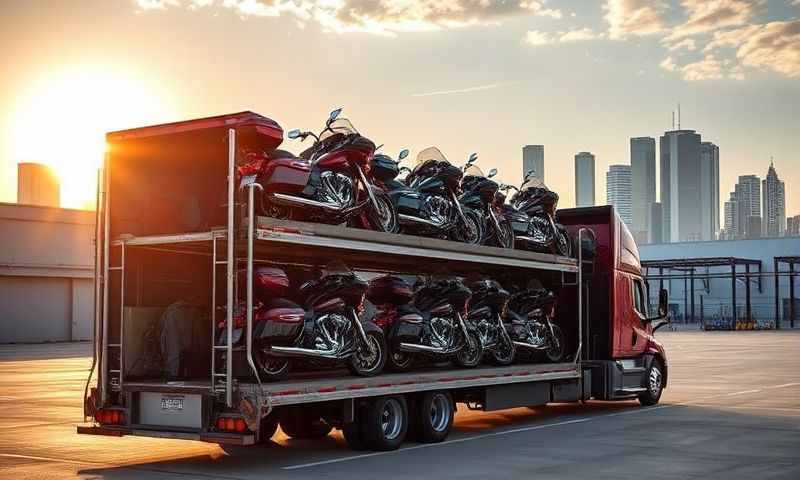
110,417
231,424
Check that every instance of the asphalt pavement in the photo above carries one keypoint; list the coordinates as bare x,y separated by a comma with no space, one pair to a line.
732,411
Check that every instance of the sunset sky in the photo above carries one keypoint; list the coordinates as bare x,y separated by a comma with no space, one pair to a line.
464,75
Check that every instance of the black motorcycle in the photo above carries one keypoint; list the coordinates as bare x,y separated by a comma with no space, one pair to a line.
479,193
327,331
539,232
529,321
425,324
427,200
485,316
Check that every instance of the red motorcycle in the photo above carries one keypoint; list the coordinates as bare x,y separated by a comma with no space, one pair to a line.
327,183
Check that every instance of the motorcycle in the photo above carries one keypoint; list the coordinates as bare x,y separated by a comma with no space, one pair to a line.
532,217
427,200
485,315
528,315
480,194
328,330
327,183
427,323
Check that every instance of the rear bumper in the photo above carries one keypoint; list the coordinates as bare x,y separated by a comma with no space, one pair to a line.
211,437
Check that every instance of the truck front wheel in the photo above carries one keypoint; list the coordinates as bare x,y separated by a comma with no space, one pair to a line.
654,384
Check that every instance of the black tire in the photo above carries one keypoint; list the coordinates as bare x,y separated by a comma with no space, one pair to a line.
271,369
364,364
654,384
385,423
505,237
398,361
471,354
269,425
433,417
504,357
472,233
303,422
384,220
562,241
556,354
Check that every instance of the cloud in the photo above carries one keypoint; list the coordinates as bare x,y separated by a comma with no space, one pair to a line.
710,15
634,17
773,46
687,43
709,68
578,35
537,38
463,90
386,17
668,64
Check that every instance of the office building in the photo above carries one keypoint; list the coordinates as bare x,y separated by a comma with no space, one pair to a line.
709,191
773,205
618,191
643,184
748,197
681,185
584,179
655,232
793,226
533,160
37,184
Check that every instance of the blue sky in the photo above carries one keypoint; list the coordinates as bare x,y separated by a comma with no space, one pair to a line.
465,75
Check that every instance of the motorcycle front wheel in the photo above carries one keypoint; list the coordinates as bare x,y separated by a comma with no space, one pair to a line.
471,231
383,218
557,346
505,236
369,362
503,355
471,353
562,241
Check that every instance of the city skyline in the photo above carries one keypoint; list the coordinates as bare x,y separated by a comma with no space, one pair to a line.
573,76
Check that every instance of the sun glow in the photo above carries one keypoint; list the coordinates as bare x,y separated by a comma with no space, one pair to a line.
63,120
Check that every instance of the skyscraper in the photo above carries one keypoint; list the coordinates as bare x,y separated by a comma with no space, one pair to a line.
618,190
793,225
584,179
37,184
731,219
773,206
680,185
533,159
655,229
643,188
709,191
748,197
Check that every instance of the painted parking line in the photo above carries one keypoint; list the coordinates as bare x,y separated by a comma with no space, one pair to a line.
534,427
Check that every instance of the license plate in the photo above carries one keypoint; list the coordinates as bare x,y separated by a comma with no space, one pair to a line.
172,404
247,180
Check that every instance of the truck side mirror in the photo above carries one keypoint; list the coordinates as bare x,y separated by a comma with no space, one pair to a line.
661,319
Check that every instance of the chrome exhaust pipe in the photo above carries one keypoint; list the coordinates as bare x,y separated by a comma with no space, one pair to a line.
293,201
529,345
305,352
409,219
417,348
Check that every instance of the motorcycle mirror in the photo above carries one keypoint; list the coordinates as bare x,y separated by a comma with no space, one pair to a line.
403,154
492,173
473,157
334,115
294,134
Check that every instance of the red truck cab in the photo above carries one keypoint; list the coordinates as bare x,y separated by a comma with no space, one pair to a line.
619,348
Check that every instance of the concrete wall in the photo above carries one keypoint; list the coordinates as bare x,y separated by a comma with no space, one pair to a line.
46,270
717,299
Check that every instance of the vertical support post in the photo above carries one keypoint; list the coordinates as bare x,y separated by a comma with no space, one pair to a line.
691,285
791,293
250,231
702,313
98,210
103,377
685,300
578,355
748,309
660,279
213,312
230,268
733,295
776,266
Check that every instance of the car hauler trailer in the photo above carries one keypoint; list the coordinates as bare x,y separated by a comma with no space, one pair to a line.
175,222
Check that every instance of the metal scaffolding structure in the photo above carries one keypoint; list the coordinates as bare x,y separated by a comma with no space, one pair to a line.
790,262
691,270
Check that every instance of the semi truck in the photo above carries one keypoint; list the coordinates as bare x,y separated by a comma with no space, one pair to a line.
175,223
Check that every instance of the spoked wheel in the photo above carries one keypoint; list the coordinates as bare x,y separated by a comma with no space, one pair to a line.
383,218
271,368
563,243
503,354
471,231
557,347
470,354
434,417
400,361
369,362
655,384
505,236
385,423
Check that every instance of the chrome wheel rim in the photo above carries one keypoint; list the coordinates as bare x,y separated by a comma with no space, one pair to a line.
440,412
469,230
386,220
368,359
391,419
469,353
271,365
654,381
401,359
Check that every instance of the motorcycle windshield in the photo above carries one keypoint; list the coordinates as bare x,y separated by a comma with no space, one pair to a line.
533,182
473,171
339,126
429,154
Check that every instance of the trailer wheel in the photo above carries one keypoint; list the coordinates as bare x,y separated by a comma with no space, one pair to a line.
385,423
299,422
654,384
433,417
